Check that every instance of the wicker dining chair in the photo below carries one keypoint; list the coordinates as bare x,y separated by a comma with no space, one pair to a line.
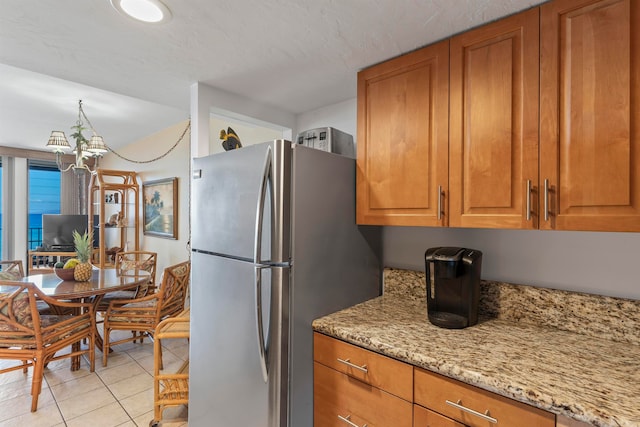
11,270
142,315
130,262
34,339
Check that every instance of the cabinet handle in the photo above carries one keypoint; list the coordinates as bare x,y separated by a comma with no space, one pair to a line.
347,362
346,420
528,216
439,202
484,416
546,200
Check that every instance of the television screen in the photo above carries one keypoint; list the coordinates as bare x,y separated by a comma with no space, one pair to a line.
57,231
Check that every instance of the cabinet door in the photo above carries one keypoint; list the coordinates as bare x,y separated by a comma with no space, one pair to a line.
494,124
590,110
403,139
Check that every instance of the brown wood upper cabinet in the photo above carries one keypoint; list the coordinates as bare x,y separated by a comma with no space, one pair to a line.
493,160
543,125
590,115
403,139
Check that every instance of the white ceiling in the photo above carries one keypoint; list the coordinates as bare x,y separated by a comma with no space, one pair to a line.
134,79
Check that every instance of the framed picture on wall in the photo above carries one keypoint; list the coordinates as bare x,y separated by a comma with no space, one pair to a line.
160,208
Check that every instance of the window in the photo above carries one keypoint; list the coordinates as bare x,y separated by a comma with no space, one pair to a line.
31,187
44,197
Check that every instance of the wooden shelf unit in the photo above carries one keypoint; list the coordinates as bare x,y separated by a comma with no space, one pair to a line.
113,192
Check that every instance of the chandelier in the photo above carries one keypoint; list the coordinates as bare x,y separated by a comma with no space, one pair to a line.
84,148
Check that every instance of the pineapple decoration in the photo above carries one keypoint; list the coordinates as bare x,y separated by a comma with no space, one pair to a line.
83,244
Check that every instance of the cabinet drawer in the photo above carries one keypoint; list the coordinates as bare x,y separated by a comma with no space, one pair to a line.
380,371
339,395
433,391
423,417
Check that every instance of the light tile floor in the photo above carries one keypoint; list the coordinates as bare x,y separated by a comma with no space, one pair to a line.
120,394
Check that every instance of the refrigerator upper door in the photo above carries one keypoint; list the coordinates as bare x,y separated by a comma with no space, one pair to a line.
241,202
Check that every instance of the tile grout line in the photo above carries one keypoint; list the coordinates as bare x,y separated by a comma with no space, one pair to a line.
144,370
55,400
116,398
105,385
108,389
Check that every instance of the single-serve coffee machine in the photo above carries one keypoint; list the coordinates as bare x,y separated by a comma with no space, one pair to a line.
453,286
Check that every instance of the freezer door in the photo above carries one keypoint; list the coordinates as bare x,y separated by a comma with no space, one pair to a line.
239,195
237,378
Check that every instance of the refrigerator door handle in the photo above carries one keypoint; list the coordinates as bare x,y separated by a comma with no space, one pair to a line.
260,207
258,261
262,351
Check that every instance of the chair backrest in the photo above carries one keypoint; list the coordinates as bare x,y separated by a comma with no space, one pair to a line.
137,260
11,270
19,319
174,288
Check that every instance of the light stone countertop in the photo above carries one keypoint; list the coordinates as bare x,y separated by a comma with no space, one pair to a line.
586,377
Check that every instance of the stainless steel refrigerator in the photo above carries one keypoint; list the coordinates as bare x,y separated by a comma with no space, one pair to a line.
274,246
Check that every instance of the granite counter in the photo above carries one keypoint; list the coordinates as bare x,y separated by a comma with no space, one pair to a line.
587,373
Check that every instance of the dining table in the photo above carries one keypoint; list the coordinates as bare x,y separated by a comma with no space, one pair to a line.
102,282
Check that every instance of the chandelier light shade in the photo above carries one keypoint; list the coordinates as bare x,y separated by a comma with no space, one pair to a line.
83,149
96,145
58,141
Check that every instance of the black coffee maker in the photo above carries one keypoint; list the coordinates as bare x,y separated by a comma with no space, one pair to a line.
453,286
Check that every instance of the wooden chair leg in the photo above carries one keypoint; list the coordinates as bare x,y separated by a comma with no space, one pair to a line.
75,360
105,347
92,354
36,382
160,354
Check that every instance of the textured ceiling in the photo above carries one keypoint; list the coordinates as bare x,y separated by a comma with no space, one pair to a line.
134,79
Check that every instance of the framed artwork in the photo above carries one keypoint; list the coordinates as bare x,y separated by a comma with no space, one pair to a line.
160,208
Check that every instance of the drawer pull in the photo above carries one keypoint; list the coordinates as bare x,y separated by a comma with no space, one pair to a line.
484,416
546,200
362,368
528,191
439,202
347,420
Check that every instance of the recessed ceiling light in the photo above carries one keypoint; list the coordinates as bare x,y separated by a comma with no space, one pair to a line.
150,11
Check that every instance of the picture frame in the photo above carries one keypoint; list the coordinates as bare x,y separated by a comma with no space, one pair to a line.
160,208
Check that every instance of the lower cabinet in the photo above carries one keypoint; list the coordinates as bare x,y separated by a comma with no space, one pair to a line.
342,401
472,406
354,387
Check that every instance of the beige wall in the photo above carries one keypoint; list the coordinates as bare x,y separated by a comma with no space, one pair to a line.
175,164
